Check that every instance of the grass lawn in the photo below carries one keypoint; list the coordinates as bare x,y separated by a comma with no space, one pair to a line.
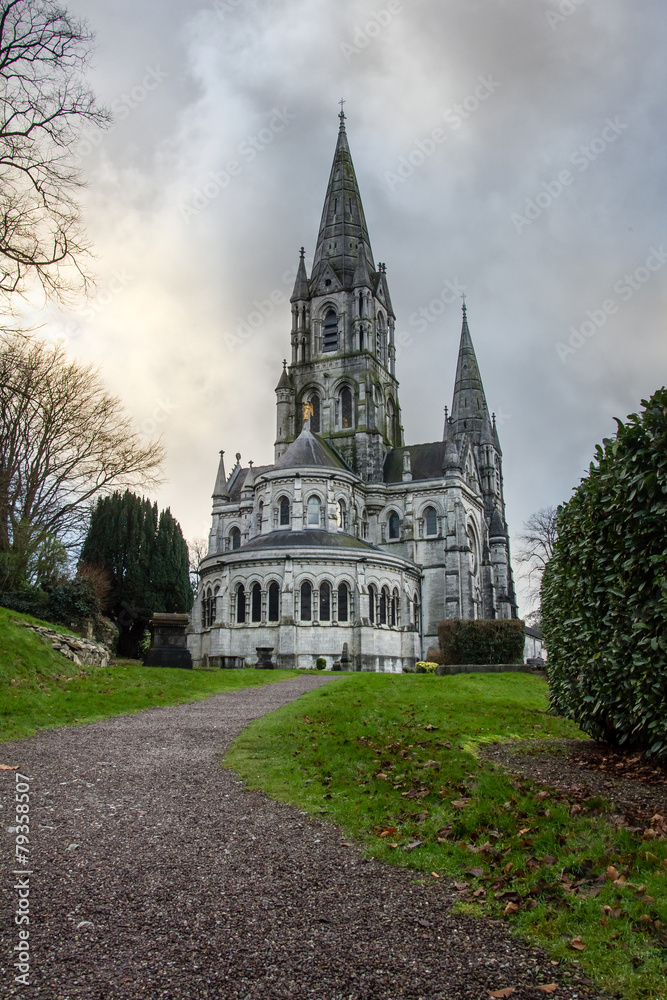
394,759
40,688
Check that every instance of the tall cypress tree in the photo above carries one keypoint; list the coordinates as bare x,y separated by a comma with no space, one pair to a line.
147,558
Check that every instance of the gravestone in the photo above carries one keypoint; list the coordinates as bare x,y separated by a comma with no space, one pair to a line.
168,642
264,658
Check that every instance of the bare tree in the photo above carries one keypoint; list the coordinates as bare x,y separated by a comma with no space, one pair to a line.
536,546
44,103
63,440
198,550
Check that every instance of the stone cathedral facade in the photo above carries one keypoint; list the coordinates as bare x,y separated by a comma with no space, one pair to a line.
353,542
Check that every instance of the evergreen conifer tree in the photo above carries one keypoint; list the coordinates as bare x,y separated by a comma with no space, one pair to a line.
147,559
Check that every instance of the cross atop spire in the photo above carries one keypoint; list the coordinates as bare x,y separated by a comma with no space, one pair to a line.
341,113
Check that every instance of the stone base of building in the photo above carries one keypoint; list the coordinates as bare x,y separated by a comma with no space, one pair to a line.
295,646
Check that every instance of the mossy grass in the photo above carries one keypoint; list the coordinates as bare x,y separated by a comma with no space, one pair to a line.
394,759
40,688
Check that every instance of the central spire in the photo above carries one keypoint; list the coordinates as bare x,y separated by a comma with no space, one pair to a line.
343,224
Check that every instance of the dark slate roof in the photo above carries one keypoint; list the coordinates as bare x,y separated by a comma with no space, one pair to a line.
496,527
309,450
237,485
426,460
343,224
310,538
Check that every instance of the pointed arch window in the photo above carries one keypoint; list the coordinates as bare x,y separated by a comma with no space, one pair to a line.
306,601
390,420
330,332
284,511
240,605
325,602
395,609
234,538
381,339
315,420
346,407
343,603
274,602
431,519
256,602
394,525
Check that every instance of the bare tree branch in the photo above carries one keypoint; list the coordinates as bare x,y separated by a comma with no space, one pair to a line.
536,545
63,441
44,104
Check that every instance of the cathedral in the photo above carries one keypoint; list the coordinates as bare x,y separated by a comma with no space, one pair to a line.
353,546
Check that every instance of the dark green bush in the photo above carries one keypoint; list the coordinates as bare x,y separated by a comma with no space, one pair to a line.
73,603
482,640
604,592
29,601
320,663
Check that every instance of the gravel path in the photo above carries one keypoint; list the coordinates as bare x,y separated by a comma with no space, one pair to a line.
156,875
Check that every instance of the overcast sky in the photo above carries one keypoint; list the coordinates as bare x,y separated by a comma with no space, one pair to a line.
515,149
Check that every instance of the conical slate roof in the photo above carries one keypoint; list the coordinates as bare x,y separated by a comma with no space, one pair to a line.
469,409
308,451
220,491
301,291
343,224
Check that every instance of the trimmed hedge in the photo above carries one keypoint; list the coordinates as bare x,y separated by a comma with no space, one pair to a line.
604,591
482,640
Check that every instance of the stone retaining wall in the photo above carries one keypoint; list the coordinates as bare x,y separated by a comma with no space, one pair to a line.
82,652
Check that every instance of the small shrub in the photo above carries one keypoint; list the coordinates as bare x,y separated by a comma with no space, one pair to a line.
482,640
425,667
320,663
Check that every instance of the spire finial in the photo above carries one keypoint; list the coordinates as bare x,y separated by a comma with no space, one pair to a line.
284,364
302,253
341,113
463,299
446,412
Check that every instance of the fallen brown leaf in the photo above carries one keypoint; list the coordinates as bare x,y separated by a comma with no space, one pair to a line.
547,988
9,767
501,994
577,944
510,909
389,831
